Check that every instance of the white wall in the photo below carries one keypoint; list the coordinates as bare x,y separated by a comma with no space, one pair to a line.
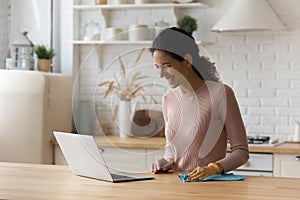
34,15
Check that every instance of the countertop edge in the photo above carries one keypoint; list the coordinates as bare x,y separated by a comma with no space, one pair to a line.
159,143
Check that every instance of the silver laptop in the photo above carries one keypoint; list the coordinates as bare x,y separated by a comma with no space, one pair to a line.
84,158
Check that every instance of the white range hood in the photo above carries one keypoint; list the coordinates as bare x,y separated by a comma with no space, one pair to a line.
245,15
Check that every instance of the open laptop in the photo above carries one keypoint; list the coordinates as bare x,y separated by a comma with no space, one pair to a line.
84,158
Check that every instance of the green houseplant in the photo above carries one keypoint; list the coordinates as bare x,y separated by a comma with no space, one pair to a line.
45,56
187,23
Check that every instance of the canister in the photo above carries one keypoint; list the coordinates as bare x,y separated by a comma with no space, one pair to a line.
142,1
112,33
115,2
138,32
99,2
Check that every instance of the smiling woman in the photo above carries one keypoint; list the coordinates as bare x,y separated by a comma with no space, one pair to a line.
200,112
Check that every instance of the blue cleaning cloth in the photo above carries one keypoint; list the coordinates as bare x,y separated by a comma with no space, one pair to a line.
217,177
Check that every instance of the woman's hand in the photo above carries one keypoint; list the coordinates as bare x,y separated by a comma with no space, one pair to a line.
162,166
202,172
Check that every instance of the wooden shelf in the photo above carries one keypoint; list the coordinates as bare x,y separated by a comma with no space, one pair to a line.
116,42
138,6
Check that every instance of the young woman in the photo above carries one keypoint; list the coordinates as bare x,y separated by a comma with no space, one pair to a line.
201,113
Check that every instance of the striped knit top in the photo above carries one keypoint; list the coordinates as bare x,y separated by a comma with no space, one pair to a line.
199,125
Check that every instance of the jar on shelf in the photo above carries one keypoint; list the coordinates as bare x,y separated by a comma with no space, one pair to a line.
99,2
112,33
92,31
142,1
160,25
138,32
116,2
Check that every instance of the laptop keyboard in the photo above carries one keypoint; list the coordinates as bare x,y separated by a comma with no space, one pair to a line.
118,176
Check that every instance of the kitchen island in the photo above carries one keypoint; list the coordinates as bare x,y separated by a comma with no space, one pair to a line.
138,154
36,181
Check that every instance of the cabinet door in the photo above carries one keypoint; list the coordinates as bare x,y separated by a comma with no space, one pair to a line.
287,165
132,160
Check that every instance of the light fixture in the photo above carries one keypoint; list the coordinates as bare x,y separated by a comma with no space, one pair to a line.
245,15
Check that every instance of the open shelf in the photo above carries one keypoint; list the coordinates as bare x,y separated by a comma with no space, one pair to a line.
137,6
116,42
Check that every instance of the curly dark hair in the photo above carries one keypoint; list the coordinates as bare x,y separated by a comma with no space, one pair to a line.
177,43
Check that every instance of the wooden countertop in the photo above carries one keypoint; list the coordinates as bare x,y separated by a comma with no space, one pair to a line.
131,142
159,143
286,148
35,181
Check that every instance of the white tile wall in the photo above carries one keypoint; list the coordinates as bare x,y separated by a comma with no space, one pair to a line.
267,67
263,67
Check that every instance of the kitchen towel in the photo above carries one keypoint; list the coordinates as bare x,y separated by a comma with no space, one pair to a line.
217,177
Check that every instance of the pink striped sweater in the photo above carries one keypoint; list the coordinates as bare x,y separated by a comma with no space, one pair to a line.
199,125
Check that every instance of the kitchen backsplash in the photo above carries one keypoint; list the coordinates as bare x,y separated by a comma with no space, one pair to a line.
264,70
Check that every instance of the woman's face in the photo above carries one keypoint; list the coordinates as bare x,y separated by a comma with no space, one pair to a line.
174,71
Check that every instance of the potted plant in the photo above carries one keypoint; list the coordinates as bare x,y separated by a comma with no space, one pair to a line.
187,23
45,56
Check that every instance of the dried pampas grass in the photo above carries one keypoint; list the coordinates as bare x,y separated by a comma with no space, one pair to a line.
131,87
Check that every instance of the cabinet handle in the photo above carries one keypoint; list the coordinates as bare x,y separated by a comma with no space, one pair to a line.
101,149
297,158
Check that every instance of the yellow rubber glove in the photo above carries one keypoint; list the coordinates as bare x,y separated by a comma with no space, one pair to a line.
203,172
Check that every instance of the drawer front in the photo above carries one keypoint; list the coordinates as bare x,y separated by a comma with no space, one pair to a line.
261,162
252,173
287,165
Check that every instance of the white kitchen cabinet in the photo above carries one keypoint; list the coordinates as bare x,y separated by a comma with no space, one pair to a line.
259,164
131,159
128,159
287,165
125,159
